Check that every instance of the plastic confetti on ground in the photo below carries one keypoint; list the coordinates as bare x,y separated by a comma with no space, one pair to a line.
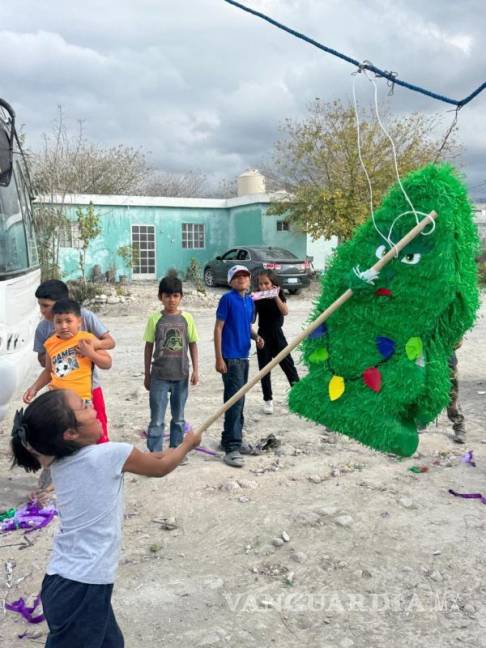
30,517
469,459
5,515
26,611
419,469
468,495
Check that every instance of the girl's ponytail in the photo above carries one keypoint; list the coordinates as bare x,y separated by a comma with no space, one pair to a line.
21,456
40,430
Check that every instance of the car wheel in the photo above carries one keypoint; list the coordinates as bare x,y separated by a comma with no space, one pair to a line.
209,278
294,291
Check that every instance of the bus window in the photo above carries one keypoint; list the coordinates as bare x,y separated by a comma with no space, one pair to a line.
14,256
5,153
25,204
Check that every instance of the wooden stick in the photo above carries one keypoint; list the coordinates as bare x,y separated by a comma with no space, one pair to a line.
317,322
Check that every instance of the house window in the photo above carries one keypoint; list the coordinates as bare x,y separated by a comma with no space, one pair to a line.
283,226
69,235
192,235
143,251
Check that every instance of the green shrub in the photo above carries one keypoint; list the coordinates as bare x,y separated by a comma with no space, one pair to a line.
194,274
81,291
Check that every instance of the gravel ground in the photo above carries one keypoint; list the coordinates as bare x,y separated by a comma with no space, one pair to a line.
321,543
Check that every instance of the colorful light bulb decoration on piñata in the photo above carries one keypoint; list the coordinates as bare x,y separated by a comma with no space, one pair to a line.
378,366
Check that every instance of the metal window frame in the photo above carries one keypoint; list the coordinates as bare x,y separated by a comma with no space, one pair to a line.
244,250
190,235
144,275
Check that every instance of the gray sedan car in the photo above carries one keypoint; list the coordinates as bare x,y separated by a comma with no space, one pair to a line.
293,273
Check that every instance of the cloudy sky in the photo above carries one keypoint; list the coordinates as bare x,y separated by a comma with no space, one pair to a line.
203,86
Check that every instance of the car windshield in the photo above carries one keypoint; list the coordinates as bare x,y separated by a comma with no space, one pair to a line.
276,253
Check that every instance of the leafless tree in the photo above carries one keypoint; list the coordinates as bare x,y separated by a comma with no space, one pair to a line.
69,163
226,188
184,185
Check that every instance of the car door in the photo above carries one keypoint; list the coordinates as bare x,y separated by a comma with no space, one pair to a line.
228,259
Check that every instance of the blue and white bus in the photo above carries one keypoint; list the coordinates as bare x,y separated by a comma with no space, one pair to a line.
19,264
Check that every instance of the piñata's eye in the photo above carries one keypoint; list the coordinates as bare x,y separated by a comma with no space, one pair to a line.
380,251
411,259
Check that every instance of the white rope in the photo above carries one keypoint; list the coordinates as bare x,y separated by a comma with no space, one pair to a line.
356,114
413,211
416,212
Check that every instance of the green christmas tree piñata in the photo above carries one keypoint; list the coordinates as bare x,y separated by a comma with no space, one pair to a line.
378,366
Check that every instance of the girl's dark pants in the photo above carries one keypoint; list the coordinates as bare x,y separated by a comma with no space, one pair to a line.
79,615
274,343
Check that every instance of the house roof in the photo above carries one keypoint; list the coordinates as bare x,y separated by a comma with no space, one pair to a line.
158,201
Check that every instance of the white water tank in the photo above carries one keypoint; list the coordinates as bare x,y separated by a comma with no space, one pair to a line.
251,182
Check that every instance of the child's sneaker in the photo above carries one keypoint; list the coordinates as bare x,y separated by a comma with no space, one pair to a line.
268,407
234,459
459,435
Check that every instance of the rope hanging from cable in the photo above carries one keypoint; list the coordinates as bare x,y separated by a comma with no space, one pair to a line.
388,237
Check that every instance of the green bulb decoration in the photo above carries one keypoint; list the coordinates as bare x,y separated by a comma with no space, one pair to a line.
378,368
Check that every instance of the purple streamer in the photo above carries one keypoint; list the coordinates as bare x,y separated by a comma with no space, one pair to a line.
30,517
207,451
187,428
468,495
468,458
24,610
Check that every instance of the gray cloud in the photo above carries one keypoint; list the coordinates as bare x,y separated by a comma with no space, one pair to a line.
203,86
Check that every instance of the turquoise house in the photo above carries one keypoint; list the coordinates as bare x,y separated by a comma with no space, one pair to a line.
170,232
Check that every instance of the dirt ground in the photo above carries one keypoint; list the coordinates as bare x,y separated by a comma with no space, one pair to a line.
322,543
